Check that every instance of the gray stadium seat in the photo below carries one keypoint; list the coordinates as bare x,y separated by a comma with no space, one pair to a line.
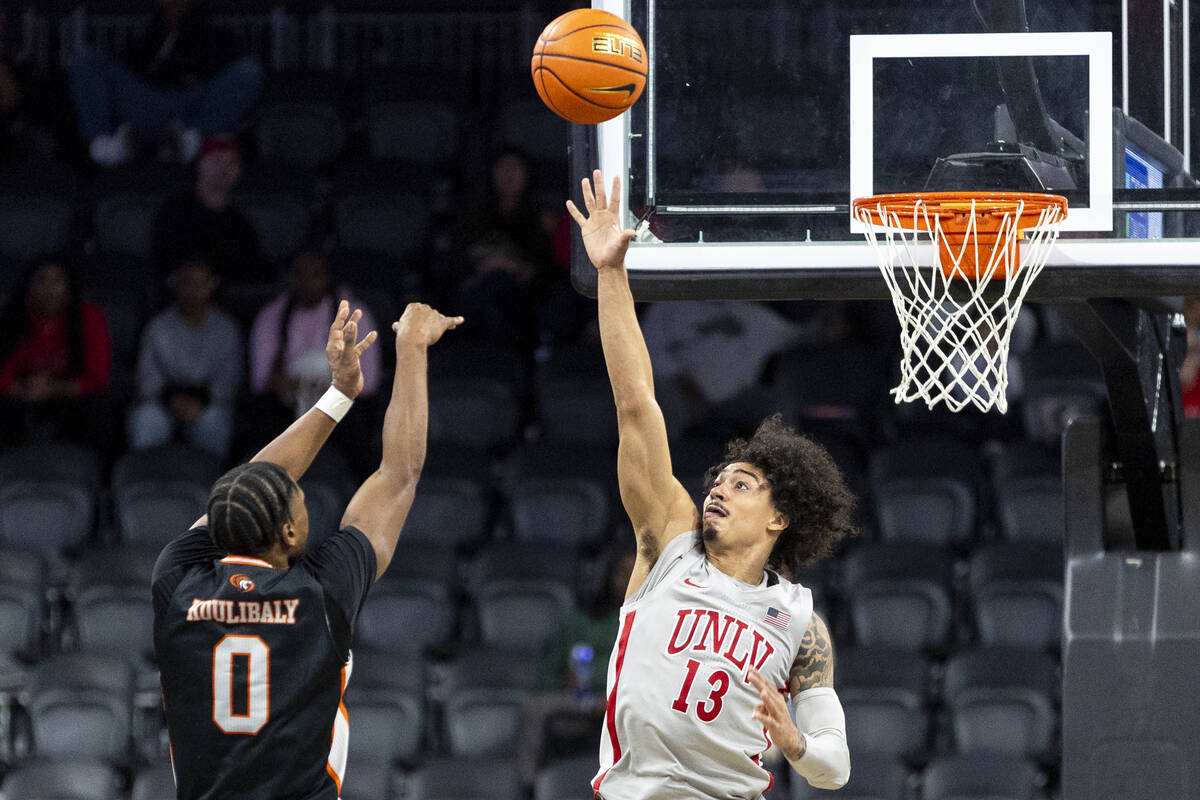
522,613
155,512
22,602
570,510
116,619
872,777
280,219
529,125
1027,484
124,222
297,133
156,782
417,131
569,779
52,462
899,595
406,615
387,222
1003,700
1017,594
482,708
34,224
981,777
480,413
50,517
80,708
447,510
72,779
925,491
386,724
467,779
885,693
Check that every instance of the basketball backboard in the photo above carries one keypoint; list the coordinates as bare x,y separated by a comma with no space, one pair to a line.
763,120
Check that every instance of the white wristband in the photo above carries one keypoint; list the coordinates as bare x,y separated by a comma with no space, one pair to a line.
334,404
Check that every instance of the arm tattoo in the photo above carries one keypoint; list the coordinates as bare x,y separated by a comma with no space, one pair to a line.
813,666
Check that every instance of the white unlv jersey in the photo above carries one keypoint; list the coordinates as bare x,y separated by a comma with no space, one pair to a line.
680,723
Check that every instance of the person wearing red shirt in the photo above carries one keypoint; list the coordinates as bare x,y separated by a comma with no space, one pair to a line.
55,358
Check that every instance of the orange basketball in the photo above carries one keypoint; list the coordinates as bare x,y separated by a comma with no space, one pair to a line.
589,65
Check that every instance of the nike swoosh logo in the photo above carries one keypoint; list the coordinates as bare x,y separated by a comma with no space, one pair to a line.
688,581
628,89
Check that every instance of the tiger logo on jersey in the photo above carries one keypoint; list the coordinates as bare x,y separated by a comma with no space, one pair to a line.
241,582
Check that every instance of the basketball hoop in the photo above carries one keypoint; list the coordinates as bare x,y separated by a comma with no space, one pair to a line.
957,301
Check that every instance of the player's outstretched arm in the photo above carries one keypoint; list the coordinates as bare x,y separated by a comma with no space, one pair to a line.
296,447
381,504
815,745
658,506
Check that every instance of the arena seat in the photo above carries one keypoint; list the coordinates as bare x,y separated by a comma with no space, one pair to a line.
480,413
80,708
22,602
886,695
926,491
1003,700
50,517
447,510
1016,594
406,616
486,689
981,777
899,595
72,779
155,782
422,132
570,510
467,779
568,779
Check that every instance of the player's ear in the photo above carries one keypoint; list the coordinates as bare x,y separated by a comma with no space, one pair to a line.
778,524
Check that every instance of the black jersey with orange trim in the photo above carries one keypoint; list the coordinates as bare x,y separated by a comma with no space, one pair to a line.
254,663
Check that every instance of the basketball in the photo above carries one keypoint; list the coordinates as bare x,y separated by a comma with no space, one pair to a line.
589,65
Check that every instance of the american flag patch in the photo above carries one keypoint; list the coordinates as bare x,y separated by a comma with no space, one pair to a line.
780,619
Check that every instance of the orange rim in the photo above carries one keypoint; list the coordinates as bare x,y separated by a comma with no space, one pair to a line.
954,208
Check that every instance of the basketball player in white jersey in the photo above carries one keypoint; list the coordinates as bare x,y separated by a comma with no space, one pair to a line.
712,638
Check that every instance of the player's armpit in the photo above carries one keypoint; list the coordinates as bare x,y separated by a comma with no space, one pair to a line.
813,665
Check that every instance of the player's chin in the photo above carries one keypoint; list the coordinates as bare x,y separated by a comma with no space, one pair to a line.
708,533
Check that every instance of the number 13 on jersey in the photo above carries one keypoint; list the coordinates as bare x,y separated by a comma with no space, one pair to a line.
254,689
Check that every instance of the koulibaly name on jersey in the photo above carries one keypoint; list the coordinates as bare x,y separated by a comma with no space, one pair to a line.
236,612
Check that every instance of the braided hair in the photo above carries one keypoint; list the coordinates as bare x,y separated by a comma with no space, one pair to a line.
248,506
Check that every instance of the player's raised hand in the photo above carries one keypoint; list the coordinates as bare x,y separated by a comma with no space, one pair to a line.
422,325
606,241
772,712
344,349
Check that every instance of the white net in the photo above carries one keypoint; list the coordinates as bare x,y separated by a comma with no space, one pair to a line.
956,318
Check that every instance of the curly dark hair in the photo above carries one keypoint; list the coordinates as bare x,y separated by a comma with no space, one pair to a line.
805,485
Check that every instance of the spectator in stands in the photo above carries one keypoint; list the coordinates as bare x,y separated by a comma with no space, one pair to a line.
570,699
180,83
505,263
36,123
204,221
288,367
189,366
55,358
686,339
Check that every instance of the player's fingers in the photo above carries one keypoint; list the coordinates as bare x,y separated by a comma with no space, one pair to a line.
616,194
367,341
350,333
589,199
339,319
453,322
598,182
575,213
757,680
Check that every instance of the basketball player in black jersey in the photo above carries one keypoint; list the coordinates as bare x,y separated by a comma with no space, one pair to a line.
252,632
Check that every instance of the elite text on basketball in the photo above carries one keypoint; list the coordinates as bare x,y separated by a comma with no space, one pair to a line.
617,45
